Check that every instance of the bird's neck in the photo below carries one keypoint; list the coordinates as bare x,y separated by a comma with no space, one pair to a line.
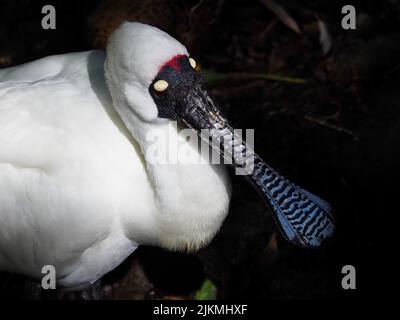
190,200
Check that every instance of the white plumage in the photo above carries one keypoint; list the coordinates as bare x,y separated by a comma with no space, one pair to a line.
76,191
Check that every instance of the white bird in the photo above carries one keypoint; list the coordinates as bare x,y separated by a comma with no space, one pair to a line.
77,190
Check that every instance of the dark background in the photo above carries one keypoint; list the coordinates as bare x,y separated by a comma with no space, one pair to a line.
336,134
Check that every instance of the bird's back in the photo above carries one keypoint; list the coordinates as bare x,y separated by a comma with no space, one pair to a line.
64,157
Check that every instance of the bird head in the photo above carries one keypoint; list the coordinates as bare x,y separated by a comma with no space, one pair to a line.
156,80
157,76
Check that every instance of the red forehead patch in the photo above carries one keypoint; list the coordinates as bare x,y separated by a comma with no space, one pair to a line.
173,62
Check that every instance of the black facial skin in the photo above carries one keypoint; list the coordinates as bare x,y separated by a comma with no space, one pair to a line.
186,99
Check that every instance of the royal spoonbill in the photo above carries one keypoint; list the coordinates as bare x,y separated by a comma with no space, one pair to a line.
77,189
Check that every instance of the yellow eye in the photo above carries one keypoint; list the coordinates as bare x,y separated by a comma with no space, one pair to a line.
160,85
192,63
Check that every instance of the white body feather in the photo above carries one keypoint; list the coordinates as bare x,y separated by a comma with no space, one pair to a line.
75,189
